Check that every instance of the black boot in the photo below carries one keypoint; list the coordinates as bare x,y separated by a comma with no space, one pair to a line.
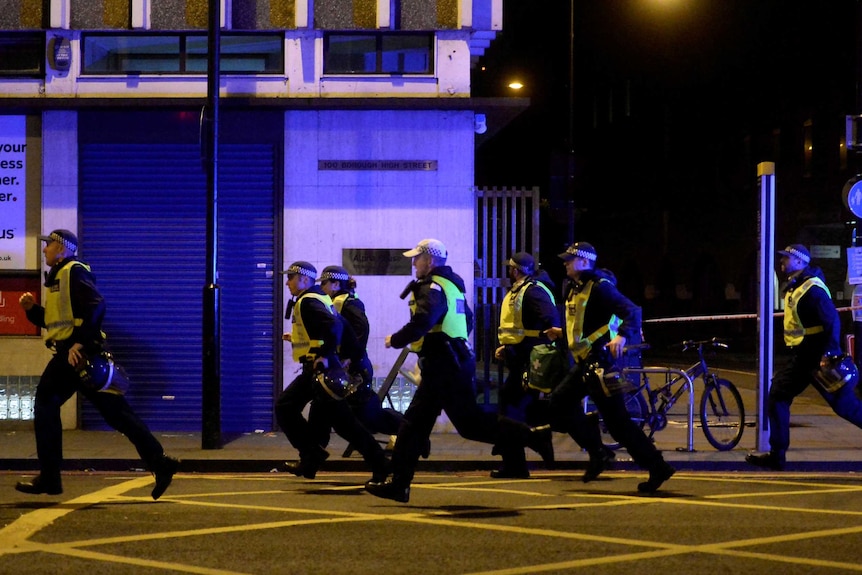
773,460
307,466
390,489
164,472
39,485
541,440
598,463
660,472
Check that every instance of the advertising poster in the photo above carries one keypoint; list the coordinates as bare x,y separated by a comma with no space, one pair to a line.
13,205
13,320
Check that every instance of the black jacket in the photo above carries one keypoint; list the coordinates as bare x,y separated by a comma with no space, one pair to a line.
431,308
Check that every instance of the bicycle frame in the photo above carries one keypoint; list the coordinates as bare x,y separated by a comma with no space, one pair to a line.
678,375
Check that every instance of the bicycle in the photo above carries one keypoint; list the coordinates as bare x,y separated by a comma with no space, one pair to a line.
722,415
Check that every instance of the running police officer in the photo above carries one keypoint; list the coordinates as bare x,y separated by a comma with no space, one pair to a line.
812,331
366,405
72,320
440,322
528,309
599,322
315,337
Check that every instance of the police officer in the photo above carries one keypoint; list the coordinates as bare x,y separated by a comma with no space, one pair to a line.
528,309
440,322
600,321
314,338
341,288
72,319
812,331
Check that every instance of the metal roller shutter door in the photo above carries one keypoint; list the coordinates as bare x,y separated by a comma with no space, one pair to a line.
143,230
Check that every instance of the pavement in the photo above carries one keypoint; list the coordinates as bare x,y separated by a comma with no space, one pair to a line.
820,441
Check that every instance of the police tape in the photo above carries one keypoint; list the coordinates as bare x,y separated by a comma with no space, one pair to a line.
731,316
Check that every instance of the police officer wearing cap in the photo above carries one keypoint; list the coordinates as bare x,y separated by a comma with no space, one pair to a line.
527,310
600,321
315,337
812,331
341,288
72,319
440,322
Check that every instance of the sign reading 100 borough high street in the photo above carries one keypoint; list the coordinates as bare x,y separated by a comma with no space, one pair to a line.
13,207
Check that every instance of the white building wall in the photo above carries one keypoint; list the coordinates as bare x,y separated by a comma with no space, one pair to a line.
326,211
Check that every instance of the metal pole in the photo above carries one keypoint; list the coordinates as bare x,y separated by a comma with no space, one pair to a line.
211,384
570,168
766,175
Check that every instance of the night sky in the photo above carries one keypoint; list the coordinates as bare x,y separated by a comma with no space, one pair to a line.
675,103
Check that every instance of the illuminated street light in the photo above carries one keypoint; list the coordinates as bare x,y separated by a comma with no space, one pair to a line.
515,85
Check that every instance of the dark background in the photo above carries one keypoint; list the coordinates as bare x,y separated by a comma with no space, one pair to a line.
675,103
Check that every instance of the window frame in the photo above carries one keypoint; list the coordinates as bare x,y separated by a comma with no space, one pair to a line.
380,51
184,58
26,40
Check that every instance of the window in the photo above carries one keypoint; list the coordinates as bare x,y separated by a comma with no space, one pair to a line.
378,53
180,54
22,55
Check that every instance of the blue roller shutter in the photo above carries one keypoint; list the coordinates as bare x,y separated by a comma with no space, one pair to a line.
143,230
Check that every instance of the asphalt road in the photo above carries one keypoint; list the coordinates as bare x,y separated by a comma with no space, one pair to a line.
264,523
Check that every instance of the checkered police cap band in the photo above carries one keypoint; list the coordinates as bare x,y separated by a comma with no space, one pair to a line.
797,251
70,245
430,246
301,270
334,275
580,253
64,237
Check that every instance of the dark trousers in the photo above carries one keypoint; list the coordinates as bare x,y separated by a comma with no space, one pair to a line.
447,385
789,382
567,416
365,405
521,405
57,384
335,413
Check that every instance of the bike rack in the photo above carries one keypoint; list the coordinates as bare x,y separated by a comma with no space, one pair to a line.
668,372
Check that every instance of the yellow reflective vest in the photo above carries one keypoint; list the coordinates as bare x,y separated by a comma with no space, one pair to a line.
60,320
303,346
794,331
511,330
454,323
576,305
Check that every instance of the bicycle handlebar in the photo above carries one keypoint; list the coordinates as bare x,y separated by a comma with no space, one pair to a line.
693,344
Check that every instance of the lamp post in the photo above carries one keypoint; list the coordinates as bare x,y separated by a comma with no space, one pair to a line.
570,159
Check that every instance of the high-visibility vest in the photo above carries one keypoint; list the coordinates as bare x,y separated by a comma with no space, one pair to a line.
60,319
454,323
794,331
511,329
576,305
299,339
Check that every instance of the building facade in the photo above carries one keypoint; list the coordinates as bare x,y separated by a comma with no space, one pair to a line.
346,133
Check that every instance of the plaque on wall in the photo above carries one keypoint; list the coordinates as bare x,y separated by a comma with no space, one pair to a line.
376,262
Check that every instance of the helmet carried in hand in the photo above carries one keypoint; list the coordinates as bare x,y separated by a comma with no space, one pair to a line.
836,371
100,373
336,382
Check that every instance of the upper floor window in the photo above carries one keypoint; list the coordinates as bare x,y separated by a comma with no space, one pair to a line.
110,53
378,53
22,54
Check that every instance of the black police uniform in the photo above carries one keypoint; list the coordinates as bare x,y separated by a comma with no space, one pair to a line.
326,326
815,309
448,369
60,381
538,314
364,402
566,411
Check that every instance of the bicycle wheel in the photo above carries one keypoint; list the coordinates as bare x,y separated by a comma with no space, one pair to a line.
638,410
722,415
